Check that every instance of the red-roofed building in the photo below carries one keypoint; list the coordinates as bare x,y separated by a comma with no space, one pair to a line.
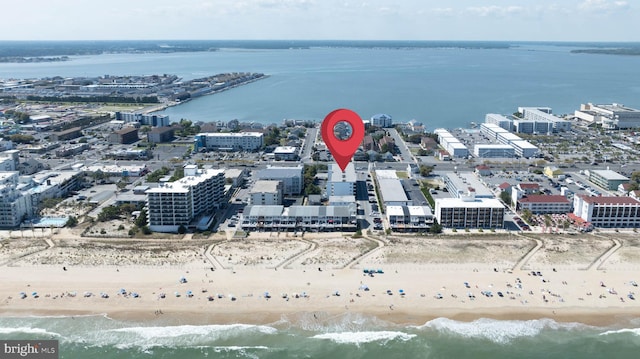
505,186
608,211
529,188
624,188
539,204
635,194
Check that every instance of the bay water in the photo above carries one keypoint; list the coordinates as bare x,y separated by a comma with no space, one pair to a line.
443,85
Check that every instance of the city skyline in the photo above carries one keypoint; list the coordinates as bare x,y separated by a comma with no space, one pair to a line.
500,20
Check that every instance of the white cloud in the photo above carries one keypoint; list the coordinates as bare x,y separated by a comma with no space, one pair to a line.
442,11
601,6
494,10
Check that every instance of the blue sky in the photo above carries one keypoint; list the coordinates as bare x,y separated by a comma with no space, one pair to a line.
537,20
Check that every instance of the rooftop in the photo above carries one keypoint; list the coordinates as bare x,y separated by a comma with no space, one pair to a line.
541,198
460,203
609,200
265,186
609,175
392,190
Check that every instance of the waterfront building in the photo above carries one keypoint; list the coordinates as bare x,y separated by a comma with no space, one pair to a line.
381,120
608,212
499,120
607,179
460,183
533,127
492,151
298,218
409,218
470,212
541,115
21,195
175,204
266,193
231,141
341,183
291,178
154,120
610,116
542,204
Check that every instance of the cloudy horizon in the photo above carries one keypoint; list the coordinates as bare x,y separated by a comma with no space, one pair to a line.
496,20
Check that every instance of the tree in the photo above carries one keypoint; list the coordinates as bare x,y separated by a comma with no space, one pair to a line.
108,213
425,170
141,221
182,229
526,215
121,185
72,221
506,198
435,227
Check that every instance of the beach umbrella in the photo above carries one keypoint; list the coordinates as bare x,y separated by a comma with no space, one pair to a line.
189,293
135,295
23,295
35,294
122,291
177,294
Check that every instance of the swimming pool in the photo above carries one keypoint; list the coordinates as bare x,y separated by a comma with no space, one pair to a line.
46,222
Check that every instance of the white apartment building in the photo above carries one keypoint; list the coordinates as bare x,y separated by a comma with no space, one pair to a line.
291,178
21,195
538,115
524,149
299,218
611,116
491,130
409,218
244,141
341,183
608,211
499,120
451,144
178,203
493,151
470,212
266,193
381,120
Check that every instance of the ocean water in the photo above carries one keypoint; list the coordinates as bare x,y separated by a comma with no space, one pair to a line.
441,85
348,336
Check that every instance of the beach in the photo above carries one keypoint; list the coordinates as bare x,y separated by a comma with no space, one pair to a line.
588,278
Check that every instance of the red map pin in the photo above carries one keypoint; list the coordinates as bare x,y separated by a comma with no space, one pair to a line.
341,140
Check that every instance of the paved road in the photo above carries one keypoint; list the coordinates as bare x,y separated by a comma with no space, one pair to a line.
407,157
310,140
